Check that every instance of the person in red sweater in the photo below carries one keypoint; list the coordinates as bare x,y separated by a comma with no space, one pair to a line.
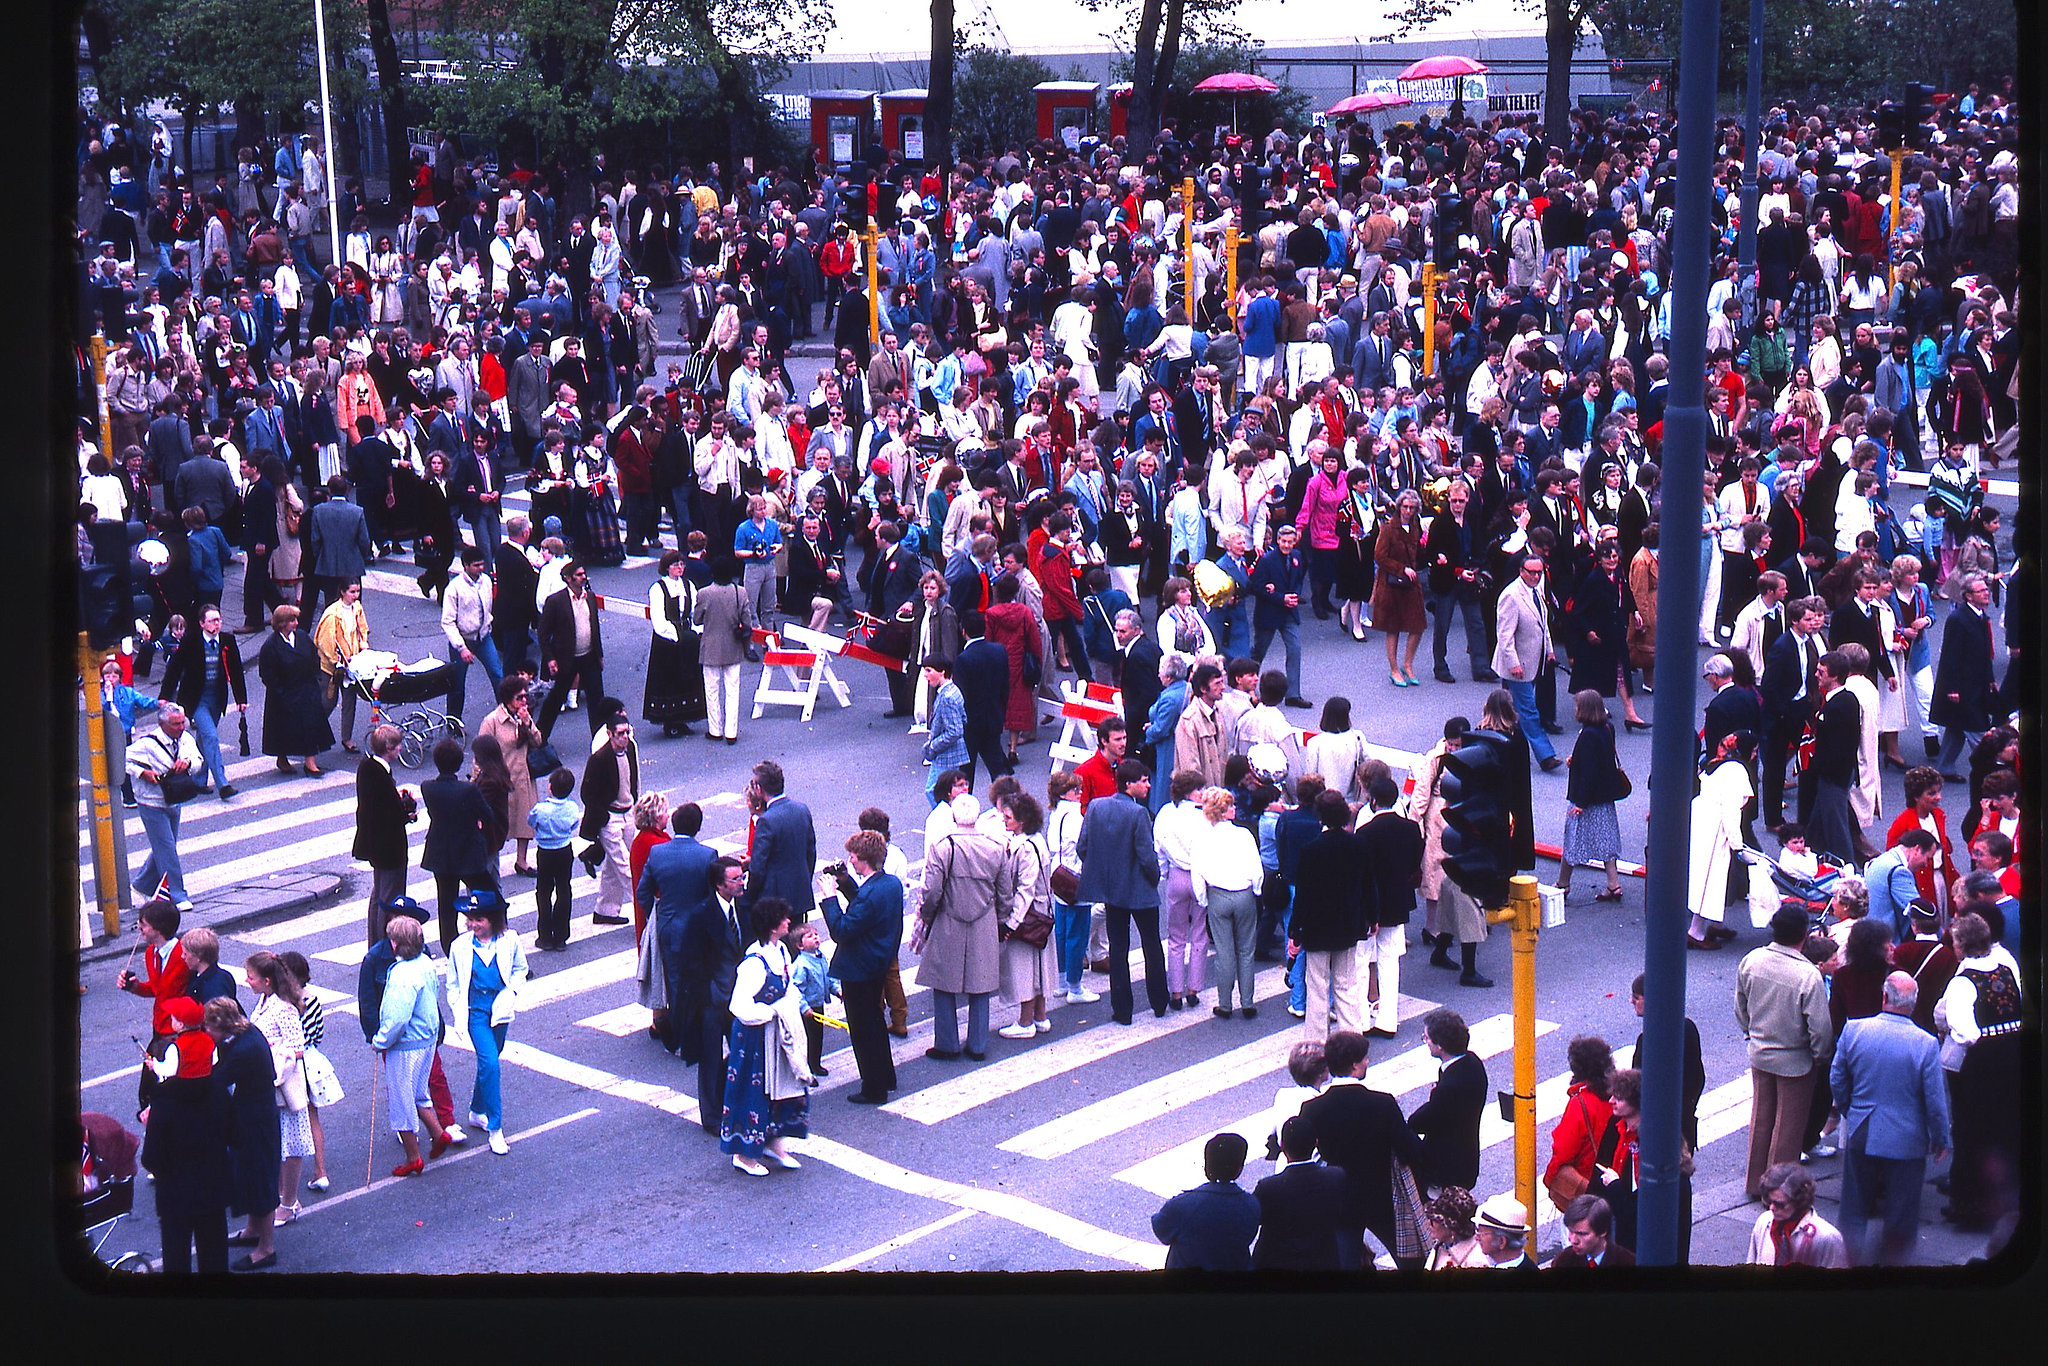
1923,812
1575,1142
1098,772
165,978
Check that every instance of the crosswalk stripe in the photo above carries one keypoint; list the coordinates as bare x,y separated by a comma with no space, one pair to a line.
998,1079
1550,1099
205,810
899,1242
1163,1095
1168,1173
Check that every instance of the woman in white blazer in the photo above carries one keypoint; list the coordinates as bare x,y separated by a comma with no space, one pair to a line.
487,969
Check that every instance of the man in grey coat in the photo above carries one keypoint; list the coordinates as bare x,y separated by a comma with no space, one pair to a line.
340,537
205,482
526,393
966,876
1893,1102
1120,869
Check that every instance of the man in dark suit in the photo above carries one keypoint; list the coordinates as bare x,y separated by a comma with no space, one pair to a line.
571,645
1790,694
891,574
1120,869
371,461
169,440
784,856
713,942
982,673
1856,620
1301,1209
1331,914
1138,657
382,813
1361,1131
1803,568
1390,848
1279,582
1831,827
203,677
1966,700
1448,1122
676,882
866,935
458,851
695,309
513,610
1589,1246
479,488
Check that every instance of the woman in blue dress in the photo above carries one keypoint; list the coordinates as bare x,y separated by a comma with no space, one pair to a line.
488,967
765,1096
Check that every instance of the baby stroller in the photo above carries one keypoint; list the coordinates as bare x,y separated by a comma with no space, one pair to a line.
378,678
1813,895
106,1184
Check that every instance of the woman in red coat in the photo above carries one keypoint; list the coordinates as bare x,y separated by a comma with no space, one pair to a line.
1923,812
1011,625
1576,1139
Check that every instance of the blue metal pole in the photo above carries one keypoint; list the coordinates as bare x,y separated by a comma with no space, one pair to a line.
1752,131
1678,599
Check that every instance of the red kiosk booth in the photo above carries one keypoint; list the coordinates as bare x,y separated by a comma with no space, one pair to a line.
903,124
1066,110
840,125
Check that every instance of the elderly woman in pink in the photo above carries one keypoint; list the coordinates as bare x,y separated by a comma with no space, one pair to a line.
1321,500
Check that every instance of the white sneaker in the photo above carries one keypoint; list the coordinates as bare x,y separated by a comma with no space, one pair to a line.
1043,1026
479,1121
920,729
1018,1031
498,1143
456,1137
1083,997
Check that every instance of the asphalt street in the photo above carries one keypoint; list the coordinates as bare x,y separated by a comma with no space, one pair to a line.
1052,1155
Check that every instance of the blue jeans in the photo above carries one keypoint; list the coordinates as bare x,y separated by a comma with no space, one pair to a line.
946,1021
1524,692
207,725
486,652
489,1041
487,529
1232,628
160,824
679,512
1888,1187
1952,740
1290,636
1070,941
1442,606
1297,983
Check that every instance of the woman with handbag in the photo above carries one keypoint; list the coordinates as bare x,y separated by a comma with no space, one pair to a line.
1596,782
242,1064
1011,625
435,523
1071,916
323,1083
1397,591
1575,1141
725,623
511,726
294,717
276,1014
766,1080
675,681
1030,961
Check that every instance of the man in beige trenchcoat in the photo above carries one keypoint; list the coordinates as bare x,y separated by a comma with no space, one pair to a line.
967,875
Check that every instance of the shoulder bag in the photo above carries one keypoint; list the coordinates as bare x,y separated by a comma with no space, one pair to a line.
1569,1183
542,760
179,787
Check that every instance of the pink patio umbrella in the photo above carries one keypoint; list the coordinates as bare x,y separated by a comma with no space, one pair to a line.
1369,103
1233,84
1431,68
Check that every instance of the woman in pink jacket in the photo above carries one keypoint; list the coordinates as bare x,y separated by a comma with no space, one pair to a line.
1321,500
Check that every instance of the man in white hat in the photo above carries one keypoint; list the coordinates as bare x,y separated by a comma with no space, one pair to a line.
1501,1228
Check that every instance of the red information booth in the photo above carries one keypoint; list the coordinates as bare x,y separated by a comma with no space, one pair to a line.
1066,111
1119,109
903,123
839,125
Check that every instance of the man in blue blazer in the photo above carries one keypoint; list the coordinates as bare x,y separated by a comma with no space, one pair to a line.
866,921
784,857
1212,1226
1279,581
1120,869
982,673
676,881
1889,1091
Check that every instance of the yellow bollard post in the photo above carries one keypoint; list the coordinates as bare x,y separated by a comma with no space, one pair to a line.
1428,318
1524,916
1230,272
1187,225
106,878
99,380
869,241
1892,218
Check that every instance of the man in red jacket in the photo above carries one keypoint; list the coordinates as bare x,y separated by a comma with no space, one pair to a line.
633,454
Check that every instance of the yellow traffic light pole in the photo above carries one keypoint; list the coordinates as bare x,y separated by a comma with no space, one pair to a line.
1524,916
870,240
1428,318
1187,228
107,882
1892,218
1230,273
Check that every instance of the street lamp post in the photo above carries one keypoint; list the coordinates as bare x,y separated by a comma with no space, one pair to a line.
327,138
1752,135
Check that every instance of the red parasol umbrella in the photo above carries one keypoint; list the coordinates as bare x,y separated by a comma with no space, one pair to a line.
1431,68
1368,103
1233,84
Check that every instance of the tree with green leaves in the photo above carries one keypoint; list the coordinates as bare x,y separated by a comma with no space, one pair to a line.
1202,59
992,101
1155,31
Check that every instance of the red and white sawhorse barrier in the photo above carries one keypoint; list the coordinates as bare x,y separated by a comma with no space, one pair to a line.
1083,706
808,670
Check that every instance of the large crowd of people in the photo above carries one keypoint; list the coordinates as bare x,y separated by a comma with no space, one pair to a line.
1076,451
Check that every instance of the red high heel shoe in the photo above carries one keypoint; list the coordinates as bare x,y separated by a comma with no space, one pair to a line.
441,1145
412,1168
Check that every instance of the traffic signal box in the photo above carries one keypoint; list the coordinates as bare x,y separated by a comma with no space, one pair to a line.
1477,853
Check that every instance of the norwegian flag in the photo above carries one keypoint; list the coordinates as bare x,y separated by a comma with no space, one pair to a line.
1656,83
